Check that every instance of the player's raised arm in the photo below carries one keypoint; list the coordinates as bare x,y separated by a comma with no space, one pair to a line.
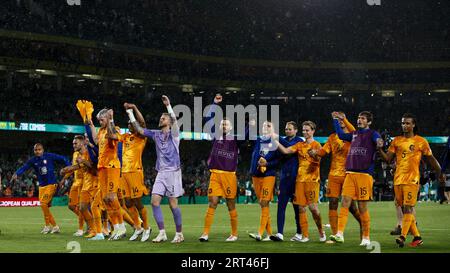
175,129
111,128
138,115
337,128
137,127
348,124
209,118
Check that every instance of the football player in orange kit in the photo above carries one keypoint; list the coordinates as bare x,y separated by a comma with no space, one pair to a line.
408,150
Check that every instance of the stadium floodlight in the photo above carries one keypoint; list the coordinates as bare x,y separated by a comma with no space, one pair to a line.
187,88
388,93
441,90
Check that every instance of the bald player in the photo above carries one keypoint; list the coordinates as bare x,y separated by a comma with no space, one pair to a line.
43,165
222,163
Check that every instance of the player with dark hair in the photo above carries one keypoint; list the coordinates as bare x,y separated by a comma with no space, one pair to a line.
358,183
288,175
133,176
408,150
43,165
336,177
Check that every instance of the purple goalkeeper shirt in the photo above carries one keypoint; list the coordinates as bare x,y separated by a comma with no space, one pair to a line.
167,149
224,154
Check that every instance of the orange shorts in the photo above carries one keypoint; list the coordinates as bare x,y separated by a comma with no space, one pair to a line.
263,187
334,186
306,193
223,184
121,189
46,193
87,196
358,186
406,194
108,180
74,195
132,185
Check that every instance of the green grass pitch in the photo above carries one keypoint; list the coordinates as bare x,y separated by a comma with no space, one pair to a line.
20,232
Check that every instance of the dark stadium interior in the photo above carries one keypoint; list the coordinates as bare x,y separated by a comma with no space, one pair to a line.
307,59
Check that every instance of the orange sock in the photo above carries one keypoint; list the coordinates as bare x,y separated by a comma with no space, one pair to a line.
89,220
112,213
76,211
80,220
406,223
51,218
263,220
144,217
269,226
209,217
318,220
134,216
414,230
342,219
234,222
126,217
304,224
365,223
333,219
46,212
97,219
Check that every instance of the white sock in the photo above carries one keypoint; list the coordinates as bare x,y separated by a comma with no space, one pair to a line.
116,227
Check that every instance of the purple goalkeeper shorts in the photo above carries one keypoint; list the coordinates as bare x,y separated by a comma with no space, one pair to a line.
168,184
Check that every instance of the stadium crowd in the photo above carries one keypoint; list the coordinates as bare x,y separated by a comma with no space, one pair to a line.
252,29
41,101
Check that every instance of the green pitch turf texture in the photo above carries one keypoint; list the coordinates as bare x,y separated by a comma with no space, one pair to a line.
20,232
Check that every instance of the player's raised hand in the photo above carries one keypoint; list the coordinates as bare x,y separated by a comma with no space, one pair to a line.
128,105
380,143
165,100
218,98
334,114
340,115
